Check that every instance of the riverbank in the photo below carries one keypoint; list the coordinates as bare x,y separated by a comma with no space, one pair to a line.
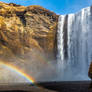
73,86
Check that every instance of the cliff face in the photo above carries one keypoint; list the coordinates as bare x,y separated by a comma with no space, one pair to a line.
27,29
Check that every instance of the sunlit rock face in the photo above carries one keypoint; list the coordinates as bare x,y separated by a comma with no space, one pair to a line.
26,28
74,45
90,71
28,39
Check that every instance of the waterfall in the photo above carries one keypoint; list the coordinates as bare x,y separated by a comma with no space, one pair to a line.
75,45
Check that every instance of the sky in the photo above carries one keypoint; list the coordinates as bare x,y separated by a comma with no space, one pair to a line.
57,6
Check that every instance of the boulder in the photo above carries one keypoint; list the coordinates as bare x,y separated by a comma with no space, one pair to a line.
90,71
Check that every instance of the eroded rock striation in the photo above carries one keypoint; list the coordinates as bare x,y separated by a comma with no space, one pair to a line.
23,29
27,40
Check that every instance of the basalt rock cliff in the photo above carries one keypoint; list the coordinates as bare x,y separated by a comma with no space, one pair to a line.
25,30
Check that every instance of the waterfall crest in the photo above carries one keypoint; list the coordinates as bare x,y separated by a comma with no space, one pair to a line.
75,45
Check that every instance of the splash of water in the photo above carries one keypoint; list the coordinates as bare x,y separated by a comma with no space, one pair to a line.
75,45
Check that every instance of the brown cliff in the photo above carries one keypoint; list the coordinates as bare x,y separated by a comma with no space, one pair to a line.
23,29
90,71
28,40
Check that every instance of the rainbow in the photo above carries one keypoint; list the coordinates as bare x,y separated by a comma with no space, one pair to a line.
19,71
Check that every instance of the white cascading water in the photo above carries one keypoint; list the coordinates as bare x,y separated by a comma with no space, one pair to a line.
75,45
